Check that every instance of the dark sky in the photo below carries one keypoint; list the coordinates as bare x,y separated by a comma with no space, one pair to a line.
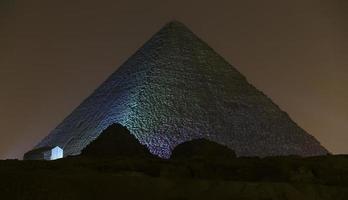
53,54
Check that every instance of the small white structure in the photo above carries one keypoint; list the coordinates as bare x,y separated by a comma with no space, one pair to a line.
44,153
56,153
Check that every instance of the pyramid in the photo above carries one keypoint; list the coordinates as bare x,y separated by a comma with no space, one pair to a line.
175,88
116,141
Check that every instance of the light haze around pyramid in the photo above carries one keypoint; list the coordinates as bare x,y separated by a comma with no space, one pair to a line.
176,88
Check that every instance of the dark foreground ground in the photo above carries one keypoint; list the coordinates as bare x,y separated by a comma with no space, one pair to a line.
295,178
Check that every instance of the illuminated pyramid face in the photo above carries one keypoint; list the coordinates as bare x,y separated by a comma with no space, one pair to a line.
175,89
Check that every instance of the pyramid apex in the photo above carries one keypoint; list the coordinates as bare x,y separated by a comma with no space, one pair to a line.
174,23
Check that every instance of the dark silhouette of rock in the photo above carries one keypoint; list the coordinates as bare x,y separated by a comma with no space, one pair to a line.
116,141
202,149
42,153
276,178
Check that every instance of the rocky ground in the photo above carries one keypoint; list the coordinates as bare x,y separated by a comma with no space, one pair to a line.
117,166
194,178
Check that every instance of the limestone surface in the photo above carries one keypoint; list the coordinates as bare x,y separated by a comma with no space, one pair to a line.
176,88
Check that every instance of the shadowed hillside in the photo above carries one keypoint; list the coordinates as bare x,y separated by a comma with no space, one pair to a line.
117,166
116,141
288,178
202,149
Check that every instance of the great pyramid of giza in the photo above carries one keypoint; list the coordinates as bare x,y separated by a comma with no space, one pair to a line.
176,88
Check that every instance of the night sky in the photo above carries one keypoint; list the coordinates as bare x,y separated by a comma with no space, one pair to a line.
53,54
